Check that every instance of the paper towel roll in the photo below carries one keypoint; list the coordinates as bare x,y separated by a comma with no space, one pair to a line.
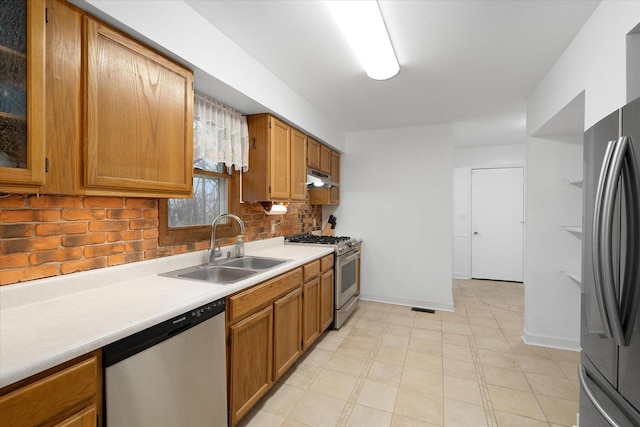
276,210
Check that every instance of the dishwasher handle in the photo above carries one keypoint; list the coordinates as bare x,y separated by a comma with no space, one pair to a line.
140,341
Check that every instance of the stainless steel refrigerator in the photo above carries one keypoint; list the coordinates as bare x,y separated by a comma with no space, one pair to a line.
610,326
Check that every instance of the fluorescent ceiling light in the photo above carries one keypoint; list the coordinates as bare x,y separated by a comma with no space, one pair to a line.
361,23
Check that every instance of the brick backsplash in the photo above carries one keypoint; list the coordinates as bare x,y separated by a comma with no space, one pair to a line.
52,235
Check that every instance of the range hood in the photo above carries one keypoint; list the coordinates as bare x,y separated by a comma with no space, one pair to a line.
317,179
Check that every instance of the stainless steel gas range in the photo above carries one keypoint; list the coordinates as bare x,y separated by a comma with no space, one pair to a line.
346,277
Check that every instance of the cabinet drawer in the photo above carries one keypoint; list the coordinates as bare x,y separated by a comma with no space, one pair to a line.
259,295
52,396
326,262
310,270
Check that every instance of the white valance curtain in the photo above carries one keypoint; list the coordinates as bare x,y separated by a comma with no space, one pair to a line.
220,135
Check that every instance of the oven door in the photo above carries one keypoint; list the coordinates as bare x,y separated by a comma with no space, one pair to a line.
346,277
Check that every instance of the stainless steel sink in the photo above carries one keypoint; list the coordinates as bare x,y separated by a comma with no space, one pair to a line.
255,263
228,271
218,274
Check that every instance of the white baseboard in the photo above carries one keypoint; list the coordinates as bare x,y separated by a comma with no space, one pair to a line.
461,275
551,342
410,302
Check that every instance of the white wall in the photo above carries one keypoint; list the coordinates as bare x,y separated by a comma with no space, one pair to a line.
465,159
552,300
595,62
490,156
178,29
396,193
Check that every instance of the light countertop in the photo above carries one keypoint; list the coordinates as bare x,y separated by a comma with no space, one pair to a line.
49,321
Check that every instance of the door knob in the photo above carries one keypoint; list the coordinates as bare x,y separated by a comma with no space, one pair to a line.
475,233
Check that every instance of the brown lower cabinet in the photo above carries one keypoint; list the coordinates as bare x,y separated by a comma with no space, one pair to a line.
311,320
68,395
326,300
287,332
269,325
250,362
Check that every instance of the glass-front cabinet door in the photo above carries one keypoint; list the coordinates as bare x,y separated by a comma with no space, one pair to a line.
22,65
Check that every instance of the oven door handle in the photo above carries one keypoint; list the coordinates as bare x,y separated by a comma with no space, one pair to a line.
348,257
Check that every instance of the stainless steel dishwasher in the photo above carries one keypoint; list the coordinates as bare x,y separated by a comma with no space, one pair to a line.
171,374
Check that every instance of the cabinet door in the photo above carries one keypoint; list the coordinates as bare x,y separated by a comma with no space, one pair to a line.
138,122
326,300
22,111
334,196
86,418
313,154
279,171
250,362
287,331
335,166
310,314
298,167
325,159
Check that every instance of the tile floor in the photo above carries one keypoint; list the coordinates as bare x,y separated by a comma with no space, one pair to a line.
390,366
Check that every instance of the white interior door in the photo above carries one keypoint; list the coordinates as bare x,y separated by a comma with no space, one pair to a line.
497,214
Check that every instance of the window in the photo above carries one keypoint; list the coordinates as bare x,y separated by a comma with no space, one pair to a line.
220,140
210,199
189,220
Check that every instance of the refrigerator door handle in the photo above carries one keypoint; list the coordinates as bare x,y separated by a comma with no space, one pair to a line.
623,167
582,374
598,236
606,244
631,278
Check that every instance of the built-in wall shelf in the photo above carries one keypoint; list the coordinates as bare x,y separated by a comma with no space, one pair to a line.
575,181
573,276
573,229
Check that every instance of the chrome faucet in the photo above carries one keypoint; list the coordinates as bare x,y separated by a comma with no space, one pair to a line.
216,252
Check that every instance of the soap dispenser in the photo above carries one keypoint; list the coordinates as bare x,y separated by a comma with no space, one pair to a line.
239,246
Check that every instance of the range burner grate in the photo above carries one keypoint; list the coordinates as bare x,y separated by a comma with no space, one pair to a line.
323,240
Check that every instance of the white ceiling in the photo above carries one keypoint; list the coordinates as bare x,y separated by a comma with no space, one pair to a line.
461,61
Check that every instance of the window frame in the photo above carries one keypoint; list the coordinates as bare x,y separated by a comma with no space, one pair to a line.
196,233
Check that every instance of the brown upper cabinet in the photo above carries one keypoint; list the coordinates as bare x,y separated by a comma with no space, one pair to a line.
277,154
119,116
138,128
320,157
298,166
313,154
325,159
22,119
325,195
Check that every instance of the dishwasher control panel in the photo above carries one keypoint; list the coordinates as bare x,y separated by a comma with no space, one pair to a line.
211,309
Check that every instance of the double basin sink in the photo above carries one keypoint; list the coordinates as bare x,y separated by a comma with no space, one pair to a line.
227,272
